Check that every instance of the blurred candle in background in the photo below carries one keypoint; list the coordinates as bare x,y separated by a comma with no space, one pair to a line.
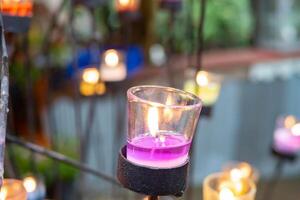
127,5
112,66
13,190
287,135
242,169
228,186
19,8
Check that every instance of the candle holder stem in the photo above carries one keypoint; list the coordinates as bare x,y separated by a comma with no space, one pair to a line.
152,198
270,188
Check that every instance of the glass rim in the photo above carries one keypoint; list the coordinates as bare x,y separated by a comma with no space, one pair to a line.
132,96
212,176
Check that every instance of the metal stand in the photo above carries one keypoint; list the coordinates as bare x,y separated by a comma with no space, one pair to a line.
283,158
152,181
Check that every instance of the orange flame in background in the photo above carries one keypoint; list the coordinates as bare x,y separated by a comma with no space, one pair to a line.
20,8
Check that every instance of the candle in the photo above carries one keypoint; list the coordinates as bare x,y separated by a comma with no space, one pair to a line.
13,190
242,170
287,135
91,83
207,86
19,8
127,5
228,186
35,189
162,121
112,66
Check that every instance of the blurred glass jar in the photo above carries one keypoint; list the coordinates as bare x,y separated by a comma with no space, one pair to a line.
13,190
279,25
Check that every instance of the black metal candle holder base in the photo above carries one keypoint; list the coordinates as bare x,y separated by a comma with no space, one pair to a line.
291,157
152,181
206,111
16,24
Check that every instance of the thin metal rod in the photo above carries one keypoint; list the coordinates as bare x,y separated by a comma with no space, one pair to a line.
60,157
4,90
201,35
269,191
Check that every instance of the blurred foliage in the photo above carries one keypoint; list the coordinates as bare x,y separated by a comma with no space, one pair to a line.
227,23
50,169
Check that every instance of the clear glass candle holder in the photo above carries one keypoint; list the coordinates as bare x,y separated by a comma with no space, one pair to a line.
161,125
219,186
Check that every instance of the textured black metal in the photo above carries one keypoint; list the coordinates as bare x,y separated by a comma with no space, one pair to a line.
16,24
152,181
291,157
206,111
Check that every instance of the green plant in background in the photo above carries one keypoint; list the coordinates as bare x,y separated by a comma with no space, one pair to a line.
50,169
228,24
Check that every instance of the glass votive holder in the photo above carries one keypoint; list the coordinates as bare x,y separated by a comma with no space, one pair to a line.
161,125
113,67
13,190
287,135
241,170
219,186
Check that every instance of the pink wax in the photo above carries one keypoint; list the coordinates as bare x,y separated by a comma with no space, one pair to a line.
285,141
165,151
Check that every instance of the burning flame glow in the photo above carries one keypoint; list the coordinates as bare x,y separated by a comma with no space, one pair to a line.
30,184
290,121
3,193
91,75
111,57
202,78
226,194
296,129
152,120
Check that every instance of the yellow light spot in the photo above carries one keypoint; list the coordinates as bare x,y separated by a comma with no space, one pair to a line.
296,129
202,78
290,121
3,193
100,88
91,75
236,174
111,57
245,169
86,89
226,194
30,184
124,2
153,121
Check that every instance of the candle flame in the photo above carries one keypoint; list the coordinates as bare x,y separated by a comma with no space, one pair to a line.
153,121
124,2
290,121
296,129
111,58
91,75
236,174
226,194
29,184
3,193
202,78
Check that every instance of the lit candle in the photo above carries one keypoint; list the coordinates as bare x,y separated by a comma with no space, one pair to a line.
91,84
12,190
224,186
35,189
207,86
19,8
287,135
127,5
112,66
161,125
242,169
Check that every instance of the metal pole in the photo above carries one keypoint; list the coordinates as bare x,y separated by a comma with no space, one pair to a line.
60,157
